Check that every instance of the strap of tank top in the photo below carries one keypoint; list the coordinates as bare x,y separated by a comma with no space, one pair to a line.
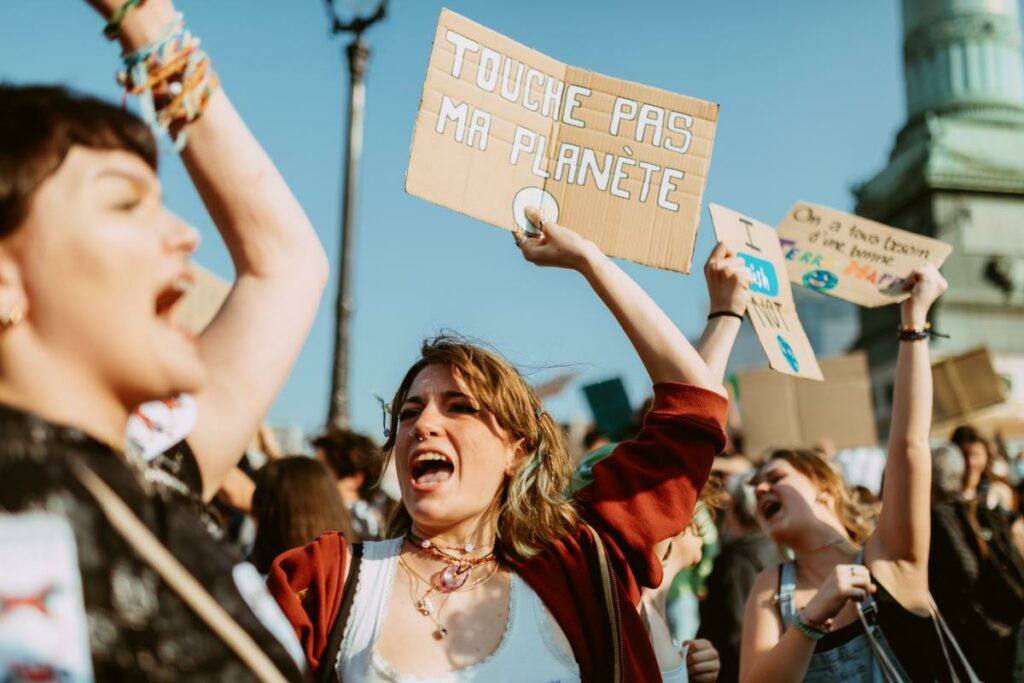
784,596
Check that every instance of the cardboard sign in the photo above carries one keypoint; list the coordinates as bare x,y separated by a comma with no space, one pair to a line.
853,258
965,384
771,311
202,301
781,411
502,127
610,405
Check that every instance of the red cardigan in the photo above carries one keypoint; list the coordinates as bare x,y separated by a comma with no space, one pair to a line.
643,493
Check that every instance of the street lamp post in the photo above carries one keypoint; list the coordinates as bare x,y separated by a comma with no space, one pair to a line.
349,20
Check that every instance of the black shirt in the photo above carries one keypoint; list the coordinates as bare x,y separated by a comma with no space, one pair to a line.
138,628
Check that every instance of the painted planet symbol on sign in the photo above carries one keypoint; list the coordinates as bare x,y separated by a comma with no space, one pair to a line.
533,196
820,280
788,353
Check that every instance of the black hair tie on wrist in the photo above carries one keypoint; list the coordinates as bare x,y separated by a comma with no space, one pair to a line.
730,314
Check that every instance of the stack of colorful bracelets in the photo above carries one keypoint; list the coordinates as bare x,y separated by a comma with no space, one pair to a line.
171,75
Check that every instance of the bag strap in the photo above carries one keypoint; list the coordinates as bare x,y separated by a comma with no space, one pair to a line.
326,672
945,635
890,671
191,592
611,602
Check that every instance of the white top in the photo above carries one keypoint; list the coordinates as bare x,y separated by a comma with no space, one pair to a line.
527,651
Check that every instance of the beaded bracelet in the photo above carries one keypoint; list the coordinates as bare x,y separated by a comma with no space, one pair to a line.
823,626
113,28
911,333
809,632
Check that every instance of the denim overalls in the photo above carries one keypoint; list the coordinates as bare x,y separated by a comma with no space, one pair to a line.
852,662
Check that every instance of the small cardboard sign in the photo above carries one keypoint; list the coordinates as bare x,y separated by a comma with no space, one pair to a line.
502,127
610,405
853,258
203,300
771,311
964,384
781,411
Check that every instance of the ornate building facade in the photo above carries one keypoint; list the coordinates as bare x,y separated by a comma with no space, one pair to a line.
956,172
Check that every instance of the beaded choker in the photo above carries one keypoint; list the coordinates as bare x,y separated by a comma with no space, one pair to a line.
452,577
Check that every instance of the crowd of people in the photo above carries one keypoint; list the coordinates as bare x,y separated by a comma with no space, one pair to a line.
471,545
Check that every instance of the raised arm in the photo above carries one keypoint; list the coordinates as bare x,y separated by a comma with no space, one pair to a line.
280,268
664,351
904,525
645,491
728,281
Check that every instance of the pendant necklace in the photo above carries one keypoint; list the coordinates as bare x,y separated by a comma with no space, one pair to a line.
454,576
426,607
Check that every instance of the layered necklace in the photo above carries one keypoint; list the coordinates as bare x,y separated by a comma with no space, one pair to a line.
454,578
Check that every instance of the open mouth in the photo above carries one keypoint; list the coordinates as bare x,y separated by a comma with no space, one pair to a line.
431,467
770,508
171,295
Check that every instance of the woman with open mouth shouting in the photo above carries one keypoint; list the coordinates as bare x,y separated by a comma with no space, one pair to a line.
854,603
93,267
493,572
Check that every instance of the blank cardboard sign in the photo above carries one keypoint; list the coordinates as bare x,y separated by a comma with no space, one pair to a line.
501,127
964,384
610,405
780,411
202,301
771,311
853,258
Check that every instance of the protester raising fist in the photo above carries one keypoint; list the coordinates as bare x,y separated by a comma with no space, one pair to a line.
92,267
729,280
802,619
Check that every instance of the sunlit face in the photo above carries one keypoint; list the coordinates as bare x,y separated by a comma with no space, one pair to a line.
451,455
99,264
788,501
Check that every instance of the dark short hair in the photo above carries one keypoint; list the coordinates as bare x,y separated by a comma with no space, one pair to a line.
967,434
38,127
349,453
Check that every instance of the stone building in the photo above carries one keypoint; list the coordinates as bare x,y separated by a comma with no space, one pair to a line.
956,172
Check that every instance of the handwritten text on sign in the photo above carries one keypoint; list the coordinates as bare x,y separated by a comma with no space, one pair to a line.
851,257
501,127
772,311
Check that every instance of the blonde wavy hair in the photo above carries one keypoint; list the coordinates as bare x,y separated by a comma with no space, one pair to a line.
534,508
857,515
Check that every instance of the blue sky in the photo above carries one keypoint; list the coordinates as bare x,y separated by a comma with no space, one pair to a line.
811,96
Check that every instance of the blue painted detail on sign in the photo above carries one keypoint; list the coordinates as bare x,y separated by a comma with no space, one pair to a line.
820,280
765,280
788,353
